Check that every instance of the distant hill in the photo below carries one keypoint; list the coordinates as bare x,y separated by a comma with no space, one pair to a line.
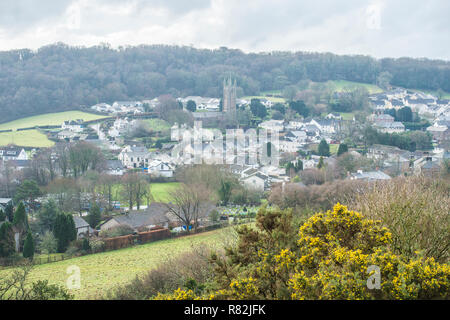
60,77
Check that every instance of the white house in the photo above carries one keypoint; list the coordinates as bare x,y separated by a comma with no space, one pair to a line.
274,125
13,153
73,125
160,169
134,156
114,167
257,181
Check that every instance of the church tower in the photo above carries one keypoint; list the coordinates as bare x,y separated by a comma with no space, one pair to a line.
229,96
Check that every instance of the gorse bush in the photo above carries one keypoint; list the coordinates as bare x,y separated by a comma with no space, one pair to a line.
332,257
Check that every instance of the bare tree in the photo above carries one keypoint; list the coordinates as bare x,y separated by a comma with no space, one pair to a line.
187,203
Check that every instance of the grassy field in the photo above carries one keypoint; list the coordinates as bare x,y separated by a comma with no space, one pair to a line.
159,192
27,138
103,271
50,119
158,124
339,85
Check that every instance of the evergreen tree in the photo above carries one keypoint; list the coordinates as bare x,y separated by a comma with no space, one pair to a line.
94,216
71,229
343,148
299,165
28,247
191,106
323,149
2,216
86,246
64,231
47,215
9,211
20,217
7,242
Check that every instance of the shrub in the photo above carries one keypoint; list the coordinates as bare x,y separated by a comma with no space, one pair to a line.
416,210
28,247
168,276
117,231
97,245
335,256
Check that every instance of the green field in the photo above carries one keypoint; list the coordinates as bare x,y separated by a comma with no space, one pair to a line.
334,148
158,124
27,138
49,119
340,85
103,271
159,192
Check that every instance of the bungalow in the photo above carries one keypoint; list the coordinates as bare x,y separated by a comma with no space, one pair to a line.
157,214
369,176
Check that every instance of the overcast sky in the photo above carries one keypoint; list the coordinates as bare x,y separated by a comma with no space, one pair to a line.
380,28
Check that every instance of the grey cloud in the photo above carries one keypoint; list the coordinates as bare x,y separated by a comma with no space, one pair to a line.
414,27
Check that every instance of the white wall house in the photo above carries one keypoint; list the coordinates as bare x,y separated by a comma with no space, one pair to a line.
134,157
160,169
73,125
12,153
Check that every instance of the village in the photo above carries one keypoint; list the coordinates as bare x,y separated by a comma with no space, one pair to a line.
308,151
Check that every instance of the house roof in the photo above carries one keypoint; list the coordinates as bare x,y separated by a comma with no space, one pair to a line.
114,164
80,222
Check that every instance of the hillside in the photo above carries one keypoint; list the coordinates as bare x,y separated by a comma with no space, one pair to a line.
60,78
103,271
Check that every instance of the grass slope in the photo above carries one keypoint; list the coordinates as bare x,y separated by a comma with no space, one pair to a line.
103,271
27,138
51,119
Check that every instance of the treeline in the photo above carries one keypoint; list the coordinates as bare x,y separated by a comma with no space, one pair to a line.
410,140
60,77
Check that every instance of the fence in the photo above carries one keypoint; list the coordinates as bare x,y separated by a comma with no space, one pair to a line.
17,261
121,242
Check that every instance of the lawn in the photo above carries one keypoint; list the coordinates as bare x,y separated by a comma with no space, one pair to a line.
334,148
26,138
50,119
159,191
102,271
